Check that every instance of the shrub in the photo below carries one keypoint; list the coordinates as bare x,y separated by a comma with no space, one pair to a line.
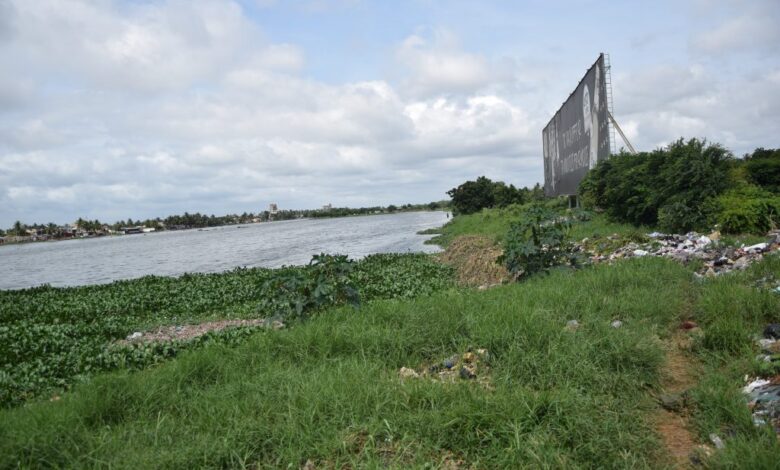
473,196
535,243
670,186
747,209
324,282
763,168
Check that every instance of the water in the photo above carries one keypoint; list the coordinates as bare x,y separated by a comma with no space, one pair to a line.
106,259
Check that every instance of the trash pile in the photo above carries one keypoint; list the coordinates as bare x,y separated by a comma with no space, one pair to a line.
471,365
718,258
764,394
188,332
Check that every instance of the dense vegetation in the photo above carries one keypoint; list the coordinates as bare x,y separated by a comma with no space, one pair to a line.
689,185
51,337
473,196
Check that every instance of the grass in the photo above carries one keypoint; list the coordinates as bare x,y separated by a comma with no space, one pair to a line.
328,390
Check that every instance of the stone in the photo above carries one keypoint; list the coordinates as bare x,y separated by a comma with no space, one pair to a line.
572,325
277,325
641,253
673,401
714,236
616,324
135,335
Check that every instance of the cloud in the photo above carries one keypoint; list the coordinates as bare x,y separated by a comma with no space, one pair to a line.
437,66
749,27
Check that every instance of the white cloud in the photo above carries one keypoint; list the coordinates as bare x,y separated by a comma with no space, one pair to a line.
438,66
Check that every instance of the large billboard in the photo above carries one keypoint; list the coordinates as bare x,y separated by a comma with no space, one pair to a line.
577,137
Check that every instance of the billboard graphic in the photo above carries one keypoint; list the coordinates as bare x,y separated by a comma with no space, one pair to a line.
577,137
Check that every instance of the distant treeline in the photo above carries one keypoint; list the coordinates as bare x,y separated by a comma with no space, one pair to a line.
83,227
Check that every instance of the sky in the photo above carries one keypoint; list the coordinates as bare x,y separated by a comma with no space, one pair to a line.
113,109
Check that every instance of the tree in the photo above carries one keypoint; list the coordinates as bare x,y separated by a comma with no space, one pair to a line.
19,229
473,196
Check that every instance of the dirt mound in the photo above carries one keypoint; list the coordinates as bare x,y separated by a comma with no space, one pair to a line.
474,259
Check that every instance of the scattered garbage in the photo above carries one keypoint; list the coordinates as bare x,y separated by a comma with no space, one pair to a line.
717,258
471,365
188,332
772,331
616,324
764,401
717,441
407,373
572,325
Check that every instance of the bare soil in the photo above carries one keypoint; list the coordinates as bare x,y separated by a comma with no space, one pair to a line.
673,426
475,258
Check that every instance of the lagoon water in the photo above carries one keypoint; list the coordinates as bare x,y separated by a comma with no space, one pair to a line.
106,259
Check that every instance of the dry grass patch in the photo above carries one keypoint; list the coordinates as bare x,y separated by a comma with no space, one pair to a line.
475,260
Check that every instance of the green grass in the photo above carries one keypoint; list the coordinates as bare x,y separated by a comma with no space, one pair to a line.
494,224
328,390
733,310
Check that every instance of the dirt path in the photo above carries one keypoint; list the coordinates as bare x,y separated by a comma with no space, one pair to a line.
671,418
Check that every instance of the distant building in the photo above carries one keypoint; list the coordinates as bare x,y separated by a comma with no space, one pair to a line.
132,230
273,209
327,207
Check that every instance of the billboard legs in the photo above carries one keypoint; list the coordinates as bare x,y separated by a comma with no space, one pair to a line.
620,131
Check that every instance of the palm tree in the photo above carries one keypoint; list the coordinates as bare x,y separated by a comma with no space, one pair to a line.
19,229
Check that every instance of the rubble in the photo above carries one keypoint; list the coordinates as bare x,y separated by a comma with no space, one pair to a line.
188,332
471,365
717,258
764,401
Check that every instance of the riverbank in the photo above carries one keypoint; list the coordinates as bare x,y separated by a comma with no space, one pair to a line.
568,369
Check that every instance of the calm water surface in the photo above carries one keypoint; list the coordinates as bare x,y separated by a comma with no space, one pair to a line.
100,260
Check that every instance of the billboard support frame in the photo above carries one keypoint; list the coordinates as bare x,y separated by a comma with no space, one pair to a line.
622,135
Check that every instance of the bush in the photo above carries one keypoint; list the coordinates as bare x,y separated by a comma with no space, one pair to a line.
763,169
671,186
747,209
323,283
535,243
473,196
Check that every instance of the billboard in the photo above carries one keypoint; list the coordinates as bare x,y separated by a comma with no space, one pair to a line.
577,137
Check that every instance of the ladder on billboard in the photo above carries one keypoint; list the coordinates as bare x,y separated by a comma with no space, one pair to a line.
610,105
613,125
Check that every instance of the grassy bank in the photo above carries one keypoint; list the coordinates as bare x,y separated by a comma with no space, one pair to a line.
328,390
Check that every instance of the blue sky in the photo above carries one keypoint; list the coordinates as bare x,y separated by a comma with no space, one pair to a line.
112,109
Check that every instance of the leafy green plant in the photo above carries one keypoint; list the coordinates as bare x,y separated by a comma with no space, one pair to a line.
536,242
324,282
748,209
